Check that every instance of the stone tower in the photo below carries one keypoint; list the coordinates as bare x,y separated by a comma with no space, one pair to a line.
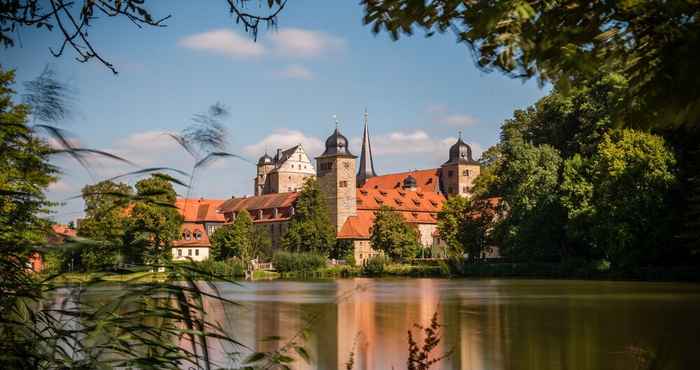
366,163
265,165
458,173
335,170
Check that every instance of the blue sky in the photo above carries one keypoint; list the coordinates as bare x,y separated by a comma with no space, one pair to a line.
282,90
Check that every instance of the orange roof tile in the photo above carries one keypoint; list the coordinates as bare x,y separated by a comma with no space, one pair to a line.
425,179
192,228
411,201
267,201
64,230
200,210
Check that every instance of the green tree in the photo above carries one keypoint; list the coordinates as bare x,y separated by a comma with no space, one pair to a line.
155,221
105,222
391,234
464,224
310,229
653,44
235,239
620,197
24,175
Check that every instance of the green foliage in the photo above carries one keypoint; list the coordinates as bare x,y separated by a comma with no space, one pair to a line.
310,229
231,268
391,234
297,262
234,240
619,197
464,224
24,174
105,222
374,266
653,44
155,221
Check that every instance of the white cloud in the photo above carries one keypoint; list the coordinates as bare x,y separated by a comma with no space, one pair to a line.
440,114
296,71
60,186
225,42
284,139
300,43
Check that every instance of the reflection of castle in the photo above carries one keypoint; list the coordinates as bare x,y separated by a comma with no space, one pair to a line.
353,197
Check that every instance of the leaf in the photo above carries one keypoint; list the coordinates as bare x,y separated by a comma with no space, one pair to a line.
255,357
303,353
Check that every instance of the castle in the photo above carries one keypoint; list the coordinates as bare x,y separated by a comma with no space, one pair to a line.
353,190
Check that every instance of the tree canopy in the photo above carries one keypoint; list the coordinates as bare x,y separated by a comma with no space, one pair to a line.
653,44
237,239
391,234
155,221
465,225
310,228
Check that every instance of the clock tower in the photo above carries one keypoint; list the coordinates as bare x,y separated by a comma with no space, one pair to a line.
335,171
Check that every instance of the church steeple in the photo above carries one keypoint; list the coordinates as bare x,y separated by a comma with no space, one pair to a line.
366,164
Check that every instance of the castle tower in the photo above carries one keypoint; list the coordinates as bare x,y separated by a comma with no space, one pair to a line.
458,173
265,165
366,163
336,178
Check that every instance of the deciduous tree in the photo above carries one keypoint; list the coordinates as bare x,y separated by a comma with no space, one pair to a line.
391,234
310,229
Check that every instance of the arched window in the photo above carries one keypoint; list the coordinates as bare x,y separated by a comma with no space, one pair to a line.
187,235
465,173
198,235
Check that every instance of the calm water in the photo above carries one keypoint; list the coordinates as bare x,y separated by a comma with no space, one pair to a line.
488,324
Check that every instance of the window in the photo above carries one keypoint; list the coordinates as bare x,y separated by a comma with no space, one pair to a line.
179,252
326,166
196,252
187,235
290,177
189,252
299,157
292,166
343,184
449,189
198,235
465,173
450,173
289,188
465,189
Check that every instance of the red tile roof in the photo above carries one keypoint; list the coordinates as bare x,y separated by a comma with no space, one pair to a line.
267,201
200,210
64,230
192,228
427,180
400,200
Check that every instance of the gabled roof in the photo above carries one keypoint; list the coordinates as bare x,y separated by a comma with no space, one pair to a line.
192,228
428,180
64,230
200,210
360,225
267,201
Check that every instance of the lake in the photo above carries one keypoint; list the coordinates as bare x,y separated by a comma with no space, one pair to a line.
488,323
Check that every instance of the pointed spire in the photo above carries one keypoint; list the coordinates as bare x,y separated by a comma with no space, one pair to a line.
366,163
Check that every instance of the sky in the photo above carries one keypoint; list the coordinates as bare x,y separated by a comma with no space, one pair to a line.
281,90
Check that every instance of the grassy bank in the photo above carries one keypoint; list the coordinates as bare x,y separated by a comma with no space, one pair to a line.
84,277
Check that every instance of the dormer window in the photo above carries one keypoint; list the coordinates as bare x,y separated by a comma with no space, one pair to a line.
198,235
187,235
364,192
398,201
434,203
402,193
383,193
416,202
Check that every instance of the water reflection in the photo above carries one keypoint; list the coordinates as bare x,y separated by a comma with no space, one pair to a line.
488,324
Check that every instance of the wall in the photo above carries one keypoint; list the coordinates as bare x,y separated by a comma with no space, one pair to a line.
197,253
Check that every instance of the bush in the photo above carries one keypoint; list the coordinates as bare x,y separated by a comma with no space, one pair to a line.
374,266
230,268
288,262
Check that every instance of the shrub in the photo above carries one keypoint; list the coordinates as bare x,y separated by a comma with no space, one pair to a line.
288,262
374,266
232,267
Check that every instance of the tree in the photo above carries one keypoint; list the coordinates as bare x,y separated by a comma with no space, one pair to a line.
105,222
464,224
653,44
75,19
235,240
24,174
620,197
391,234
155,221
310,229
